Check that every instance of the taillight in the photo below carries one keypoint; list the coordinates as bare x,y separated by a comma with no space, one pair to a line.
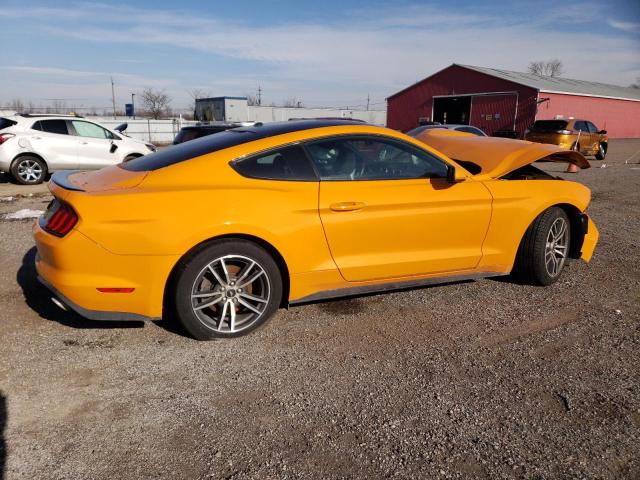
5,136
564,132
59,219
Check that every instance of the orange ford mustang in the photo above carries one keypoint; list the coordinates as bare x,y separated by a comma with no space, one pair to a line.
225,229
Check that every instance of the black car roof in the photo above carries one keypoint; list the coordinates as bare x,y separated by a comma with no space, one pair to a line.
225,139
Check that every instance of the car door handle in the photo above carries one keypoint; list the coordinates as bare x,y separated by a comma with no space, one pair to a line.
347,206
37,138
83,143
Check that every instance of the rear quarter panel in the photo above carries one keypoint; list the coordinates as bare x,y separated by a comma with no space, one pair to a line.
516,204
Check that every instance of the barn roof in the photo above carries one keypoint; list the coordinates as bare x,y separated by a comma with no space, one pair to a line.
545,84
561,84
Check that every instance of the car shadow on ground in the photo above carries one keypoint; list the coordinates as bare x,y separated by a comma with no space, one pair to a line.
38,298
3,424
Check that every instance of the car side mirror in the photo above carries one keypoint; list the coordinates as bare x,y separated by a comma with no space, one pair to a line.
451,174
602,132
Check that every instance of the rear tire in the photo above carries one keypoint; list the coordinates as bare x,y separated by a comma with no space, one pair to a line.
28,170
601,153
228,289
544,248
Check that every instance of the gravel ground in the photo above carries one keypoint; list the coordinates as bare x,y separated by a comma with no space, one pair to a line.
484,379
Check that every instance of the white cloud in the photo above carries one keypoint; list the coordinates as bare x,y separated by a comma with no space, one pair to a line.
633,27
377,51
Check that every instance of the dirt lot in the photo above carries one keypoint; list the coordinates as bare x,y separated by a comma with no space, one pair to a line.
482,379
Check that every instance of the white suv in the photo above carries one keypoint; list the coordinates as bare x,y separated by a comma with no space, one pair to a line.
33,145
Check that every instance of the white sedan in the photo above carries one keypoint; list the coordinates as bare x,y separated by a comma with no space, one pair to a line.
31,146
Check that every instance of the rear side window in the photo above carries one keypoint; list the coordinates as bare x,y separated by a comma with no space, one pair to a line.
53,126
288,163
473,130
549,125
581,126
6,123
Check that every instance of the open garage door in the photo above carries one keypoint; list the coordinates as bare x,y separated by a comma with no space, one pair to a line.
494,112
452,109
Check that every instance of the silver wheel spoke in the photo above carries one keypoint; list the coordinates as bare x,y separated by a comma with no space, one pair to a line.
248,305
252,279
215,274
206,294
253,297
225,270
245,272
222,315
232,322
209,303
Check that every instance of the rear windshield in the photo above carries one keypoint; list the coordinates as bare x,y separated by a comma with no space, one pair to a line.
187,150
6,123
549,125
187,134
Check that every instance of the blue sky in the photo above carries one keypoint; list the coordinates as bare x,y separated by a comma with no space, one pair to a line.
325,53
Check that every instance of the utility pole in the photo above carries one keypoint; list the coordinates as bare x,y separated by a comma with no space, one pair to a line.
113,98
133,106
259,95
368,101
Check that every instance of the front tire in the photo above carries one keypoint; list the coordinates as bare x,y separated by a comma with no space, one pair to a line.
227,290
544,248
601,153
28,170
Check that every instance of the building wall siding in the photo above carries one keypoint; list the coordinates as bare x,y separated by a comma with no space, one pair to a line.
620,118
406,107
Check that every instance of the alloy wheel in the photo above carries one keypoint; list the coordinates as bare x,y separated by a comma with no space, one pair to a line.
557,247
29,171
230,294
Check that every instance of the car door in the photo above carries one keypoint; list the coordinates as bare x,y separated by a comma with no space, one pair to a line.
585,137
51,140
595,137
95,145
389,212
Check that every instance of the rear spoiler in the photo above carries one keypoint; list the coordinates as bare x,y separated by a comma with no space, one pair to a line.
61,178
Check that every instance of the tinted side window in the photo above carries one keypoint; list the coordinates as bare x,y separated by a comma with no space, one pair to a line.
581,126
54,126
37,126
371,158
288,163
592,127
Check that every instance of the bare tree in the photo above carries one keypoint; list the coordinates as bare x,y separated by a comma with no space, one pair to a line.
17,105
155,102
252,100
197,93
549,68
292,102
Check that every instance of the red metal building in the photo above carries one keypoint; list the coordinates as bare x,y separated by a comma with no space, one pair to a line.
494,100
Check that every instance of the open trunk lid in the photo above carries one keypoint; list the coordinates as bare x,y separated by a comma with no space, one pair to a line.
495,157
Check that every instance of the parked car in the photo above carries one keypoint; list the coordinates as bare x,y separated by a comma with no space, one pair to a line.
31,146
223,230
572,133
203,129
457,127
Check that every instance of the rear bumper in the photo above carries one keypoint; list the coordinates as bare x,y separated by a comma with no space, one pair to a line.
74,268
94,314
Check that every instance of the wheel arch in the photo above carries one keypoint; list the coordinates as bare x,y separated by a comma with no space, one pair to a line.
271,250
576,225
30,154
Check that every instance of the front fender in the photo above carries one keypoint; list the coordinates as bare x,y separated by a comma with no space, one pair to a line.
516,204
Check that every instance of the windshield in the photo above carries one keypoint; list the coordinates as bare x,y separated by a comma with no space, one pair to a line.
549,125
